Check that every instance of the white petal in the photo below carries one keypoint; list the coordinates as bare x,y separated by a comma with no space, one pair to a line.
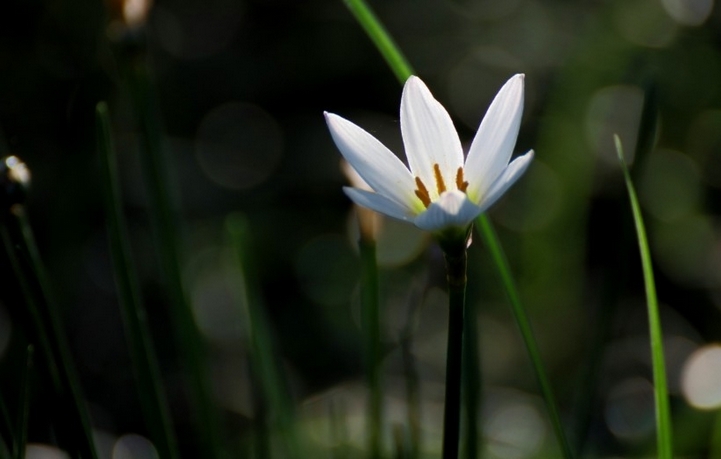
509,176
429,136
496,137
453,208
379,203
375,163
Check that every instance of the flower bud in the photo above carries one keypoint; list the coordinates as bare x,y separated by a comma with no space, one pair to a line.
14,181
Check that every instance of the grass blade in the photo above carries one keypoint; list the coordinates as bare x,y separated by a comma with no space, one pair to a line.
24,409
663,414
261,344
524,325
69,414
7,435
380,37
163,218
145,364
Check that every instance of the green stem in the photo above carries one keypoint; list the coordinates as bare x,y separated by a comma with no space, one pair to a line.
380,37
456,261
524,325
44,326
413,401
663,415
7,432
22,436
266,369
188,336
371,332
145,364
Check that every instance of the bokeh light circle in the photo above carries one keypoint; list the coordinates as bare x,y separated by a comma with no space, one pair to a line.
39,451
238,145
134,446
688,12
629,409
701,378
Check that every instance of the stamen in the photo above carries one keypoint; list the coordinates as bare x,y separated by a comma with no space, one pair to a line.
460,183
422,193
439,179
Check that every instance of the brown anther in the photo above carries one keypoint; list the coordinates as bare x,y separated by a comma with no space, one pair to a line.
460,183
439,179
422,192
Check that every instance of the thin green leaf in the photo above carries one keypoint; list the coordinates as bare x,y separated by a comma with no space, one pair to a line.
263,356
380,37
524,325
663,412
44,326
164,221
142,353
23,412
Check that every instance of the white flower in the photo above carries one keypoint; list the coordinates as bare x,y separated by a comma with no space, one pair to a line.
440,191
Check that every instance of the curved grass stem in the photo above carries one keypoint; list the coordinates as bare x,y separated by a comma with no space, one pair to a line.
142,353
663,412
164,220
45,328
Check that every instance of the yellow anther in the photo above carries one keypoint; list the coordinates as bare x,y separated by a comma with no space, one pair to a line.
461,184
422,192
440,184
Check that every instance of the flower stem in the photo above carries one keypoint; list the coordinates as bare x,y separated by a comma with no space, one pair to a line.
456,262
145,364
663,415
371,333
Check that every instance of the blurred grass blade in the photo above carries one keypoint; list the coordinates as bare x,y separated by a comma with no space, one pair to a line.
145,364
372,336
401,68
44,326
715,437
338,424
380,37
615,275
413,399
7,433
263,357
524,325
21,438
472,389
163,218
663,415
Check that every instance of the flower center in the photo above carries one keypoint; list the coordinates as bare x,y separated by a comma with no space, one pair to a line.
422,191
